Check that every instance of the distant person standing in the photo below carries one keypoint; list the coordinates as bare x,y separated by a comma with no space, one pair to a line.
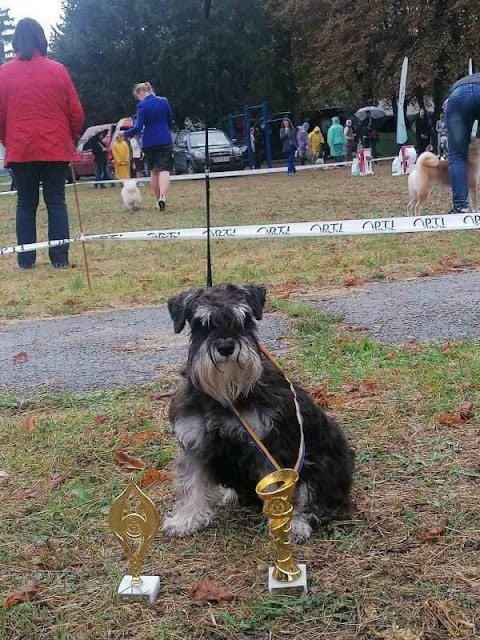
40,119
303,142
288,138
100,153
154,121
463,108
336,140
350,140
121,157
316,142
423,131
137,156
442,141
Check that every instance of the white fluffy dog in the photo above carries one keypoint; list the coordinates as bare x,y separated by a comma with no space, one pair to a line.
131,196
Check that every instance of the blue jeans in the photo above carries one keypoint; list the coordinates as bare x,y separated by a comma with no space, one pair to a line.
28,176
463,108
291,160
101,172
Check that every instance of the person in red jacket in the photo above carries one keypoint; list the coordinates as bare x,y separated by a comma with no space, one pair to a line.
40,119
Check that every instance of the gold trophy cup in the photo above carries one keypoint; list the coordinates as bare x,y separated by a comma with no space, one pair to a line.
276,491
135,529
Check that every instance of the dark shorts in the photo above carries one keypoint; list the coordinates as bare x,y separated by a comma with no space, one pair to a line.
159,158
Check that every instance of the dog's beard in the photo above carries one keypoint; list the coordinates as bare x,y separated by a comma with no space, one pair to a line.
226,379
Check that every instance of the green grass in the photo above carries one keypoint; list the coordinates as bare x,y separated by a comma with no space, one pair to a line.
138,273
371,576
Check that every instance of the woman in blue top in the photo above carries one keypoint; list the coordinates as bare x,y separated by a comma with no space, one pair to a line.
154,121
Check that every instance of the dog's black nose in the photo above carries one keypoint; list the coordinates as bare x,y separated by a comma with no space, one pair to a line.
226,346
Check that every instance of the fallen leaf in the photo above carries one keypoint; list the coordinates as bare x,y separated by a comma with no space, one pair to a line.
58,479
367,388
284,290
466,410
138,438
352,282
22,594
350,387
100,418
320,395
158,395
424,274
447,349
449,418
18,358
12,303
435,532
70,302
128,462
154,475
4,476
207,590
144,415
30,423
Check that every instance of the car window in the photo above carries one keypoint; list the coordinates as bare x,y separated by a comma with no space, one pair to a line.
215,139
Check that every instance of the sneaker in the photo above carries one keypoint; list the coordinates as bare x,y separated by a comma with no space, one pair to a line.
161,205
25,267
60,265
459,210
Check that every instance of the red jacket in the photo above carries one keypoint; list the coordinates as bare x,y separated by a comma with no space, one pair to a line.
40,112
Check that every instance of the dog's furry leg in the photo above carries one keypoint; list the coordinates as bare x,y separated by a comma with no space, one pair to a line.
196,495
301,529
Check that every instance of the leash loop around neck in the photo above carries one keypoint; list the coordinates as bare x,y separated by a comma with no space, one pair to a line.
251,432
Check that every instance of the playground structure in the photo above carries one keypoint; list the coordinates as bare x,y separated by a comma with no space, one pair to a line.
266,125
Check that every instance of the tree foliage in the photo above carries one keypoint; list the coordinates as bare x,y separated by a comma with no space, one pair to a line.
351,50
6,33
110,46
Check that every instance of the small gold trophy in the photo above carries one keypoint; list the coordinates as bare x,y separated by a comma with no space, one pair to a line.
134,520
276,490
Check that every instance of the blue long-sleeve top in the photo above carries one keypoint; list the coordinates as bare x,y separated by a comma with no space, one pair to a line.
154,120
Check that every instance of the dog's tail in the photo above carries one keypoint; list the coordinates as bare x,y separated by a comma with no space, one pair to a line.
427,159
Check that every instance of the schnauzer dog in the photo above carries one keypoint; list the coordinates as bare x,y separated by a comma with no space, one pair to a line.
226,367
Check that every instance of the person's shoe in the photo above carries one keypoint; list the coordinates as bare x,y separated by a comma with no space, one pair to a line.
459,210
60,265
161,205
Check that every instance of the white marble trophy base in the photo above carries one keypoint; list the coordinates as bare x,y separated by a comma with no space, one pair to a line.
298,586
145,592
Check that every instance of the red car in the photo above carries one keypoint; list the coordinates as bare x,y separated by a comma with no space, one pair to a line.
85,165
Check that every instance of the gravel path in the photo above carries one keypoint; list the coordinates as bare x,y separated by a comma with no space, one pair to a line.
99,351
114,349
440,308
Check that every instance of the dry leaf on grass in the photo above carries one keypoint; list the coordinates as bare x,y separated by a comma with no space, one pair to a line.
325,399
435,532
365,389
12,303
207,590
447,349
4,476
58,479
70,302
284,290
30,423
22,594
100,418
466,410
128,462
138,438
18,358
352,282
154,475
158,395
465,413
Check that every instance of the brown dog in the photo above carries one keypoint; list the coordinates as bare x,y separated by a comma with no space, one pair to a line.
430,171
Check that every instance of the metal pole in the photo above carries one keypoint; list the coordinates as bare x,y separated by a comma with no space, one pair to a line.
249,140
207,4
266,135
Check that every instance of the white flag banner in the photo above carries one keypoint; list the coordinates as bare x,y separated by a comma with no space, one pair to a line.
402,136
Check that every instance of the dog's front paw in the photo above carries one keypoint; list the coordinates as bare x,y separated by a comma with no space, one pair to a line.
301,530
178,526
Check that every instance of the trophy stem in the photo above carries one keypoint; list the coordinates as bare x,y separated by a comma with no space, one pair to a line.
276,490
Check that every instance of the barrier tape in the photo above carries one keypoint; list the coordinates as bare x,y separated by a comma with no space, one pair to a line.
320,228
218,174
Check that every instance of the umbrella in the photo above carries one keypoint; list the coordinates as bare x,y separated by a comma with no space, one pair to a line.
88,144
375,112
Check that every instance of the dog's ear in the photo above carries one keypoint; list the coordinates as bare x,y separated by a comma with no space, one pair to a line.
180,308
255,296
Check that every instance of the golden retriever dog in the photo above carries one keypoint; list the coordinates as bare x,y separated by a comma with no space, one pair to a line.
430,171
